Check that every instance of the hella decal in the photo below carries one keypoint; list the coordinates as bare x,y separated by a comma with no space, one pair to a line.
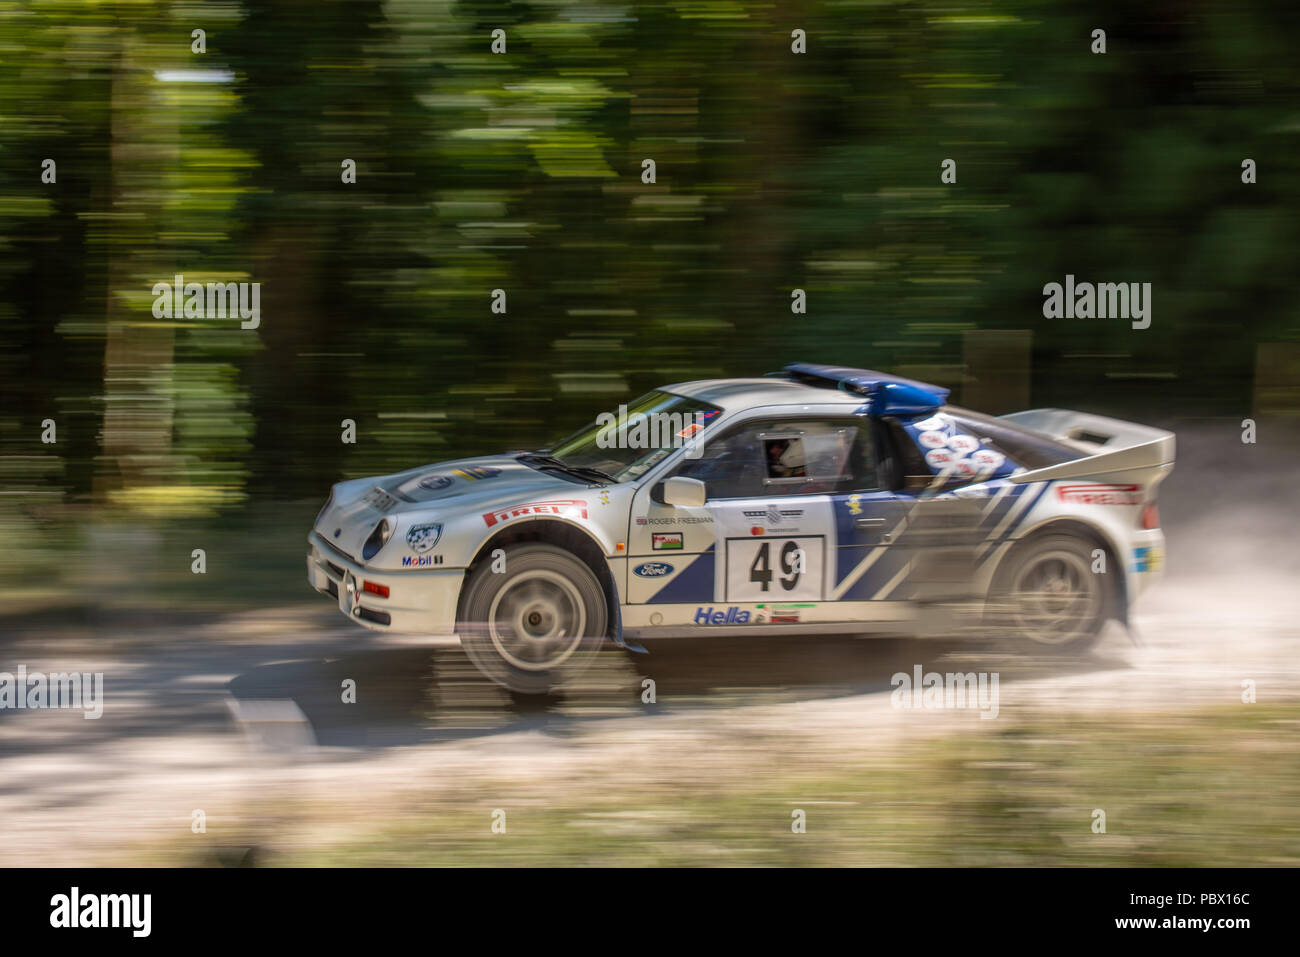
652,570
729,616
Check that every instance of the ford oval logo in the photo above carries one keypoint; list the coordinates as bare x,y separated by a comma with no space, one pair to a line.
653,570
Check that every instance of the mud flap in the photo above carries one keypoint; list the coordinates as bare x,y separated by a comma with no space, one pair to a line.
1121,616
618,638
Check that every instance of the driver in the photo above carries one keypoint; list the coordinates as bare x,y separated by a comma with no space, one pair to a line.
785,459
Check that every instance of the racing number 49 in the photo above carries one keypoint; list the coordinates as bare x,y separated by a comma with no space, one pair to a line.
792,565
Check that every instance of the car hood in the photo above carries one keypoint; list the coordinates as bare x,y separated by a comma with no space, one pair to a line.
442,490
468,483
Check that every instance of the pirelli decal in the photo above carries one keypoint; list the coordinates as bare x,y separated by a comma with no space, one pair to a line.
1096,494
566,509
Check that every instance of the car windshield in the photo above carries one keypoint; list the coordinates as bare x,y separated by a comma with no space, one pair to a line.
628,441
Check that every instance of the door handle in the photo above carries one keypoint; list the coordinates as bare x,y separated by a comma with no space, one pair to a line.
868,522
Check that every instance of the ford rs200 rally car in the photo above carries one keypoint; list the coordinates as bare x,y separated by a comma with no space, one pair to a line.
818,500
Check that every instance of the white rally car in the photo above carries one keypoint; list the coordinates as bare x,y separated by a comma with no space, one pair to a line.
818,500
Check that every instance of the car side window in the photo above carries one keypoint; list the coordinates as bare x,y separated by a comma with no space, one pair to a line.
729,465
781,457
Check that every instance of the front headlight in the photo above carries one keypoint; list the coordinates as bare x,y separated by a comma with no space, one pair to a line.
377,538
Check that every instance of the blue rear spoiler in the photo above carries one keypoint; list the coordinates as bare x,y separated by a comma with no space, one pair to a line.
885,394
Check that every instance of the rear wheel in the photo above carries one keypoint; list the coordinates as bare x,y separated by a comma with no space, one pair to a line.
1049,597
535,625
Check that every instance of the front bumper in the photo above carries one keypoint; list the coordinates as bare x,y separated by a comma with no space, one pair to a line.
418,602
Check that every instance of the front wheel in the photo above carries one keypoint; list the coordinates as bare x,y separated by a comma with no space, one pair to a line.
535,625
1049,597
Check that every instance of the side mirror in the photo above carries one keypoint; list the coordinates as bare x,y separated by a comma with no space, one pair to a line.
682,491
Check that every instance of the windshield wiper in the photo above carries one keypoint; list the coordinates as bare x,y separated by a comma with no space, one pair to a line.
544,461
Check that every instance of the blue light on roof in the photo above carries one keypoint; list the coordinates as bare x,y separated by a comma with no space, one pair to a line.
886,394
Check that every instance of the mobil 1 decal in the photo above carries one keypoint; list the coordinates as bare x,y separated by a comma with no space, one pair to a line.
954,455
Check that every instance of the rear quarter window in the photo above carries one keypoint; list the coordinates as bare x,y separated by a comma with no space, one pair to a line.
1024,448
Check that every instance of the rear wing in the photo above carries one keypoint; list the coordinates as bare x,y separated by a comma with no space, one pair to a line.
1106,445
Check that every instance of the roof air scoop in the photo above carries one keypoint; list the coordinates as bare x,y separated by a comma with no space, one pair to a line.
903,398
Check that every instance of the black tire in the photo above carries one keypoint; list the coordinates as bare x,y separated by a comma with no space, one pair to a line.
537,624
1047,598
